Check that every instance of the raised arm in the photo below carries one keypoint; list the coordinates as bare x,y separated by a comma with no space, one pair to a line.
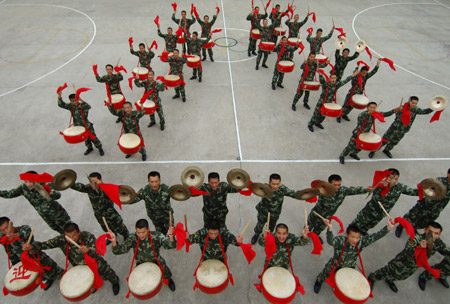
12,193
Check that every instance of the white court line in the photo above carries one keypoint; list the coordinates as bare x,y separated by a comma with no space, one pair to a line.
438,2
231,82
373,51
67,62
240,60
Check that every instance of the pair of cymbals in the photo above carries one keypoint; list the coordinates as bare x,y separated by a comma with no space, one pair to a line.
341,43
180,192
192,177
317,187
262,190
238,178
433,189
64,179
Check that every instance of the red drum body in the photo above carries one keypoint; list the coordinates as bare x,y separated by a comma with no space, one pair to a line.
293,41
75,134
145,281
172,80
285,66
369,141
130,143
278,285
359,101
193,62
311,86
331,110
267,46
321,58
149,106
165,55
255,34
212,276
20,282
117,100
351,286
141,72
77,283
279,31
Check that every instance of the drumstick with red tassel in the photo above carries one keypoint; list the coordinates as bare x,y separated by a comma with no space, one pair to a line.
31,235
170,219
118,61
321,217
146,44
268,221
306,217
72,241
185,222
106,224
245,228
384,210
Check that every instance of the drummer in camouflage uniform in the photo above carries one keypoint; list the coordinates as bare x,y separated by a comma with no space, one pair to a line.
75,255
404,264
112,82
294,27
50,210
145,58
346,248
102,205
341,62
157,202
316,42
170,40
79,110
266,36
185,24
147,251
195,45
284,52
176,68
206,33
18,236
255,18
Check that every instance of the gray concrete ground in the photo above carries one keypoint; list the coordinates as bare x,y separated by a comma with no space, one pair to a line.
46,45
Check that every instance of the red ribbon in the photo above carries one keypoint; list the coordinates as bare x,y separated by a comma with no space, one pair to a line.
196,13
4,240
81,90
422,261
302,47
145,96
174,5
180,234
192,8
436,116
332,68
342,35
341,225
112,191
157,21
218,9
324,75
379,116
248,252
420,188
271,246
407,225
61,88
93,266
247,192
197,192
154,44
130,82
31,264
94,68
217,31
379,176
310,30
362,62
290,9
100,244
316,242
369,53
130,41
312,200
341,30
267,5
406,115
313,16
390,62
273,11
121,68
37,178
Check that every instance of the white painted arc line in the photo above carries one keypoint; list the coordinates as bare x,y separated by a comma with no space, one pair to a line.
231,83
67,62
438,2
373,51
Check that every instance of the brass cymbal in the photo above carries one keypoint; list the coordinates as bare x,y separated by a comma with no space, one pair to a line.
179,192
192,177
126,194
325,188
64,179
39,188
238,178
433,189
438,103
306,194
262,190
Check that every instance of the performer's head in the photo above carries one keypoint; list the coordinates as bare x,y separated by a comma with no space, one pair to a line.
413,101
345,52
214,180
4,224
30,184
142,229
169,30
213,229
75,101
448,175
333,78
371,107
109,69
319,33
284,39
71,230
281,232
296,17
151,75
256,9
364,70
392,178
353,235
274,181
96,177
206,18
194,35
265,22
277,8
183,14
311,56
142,47
176,53
435,228
335,180
128,107
154,180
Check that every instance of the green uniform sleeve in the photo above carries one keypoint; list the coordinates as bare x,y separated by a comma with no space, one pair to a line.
330,237
409,191
328,36
442,248
133,52
304,21
200,21
80,187
166,243
322,81
140,195
213,21
24,232
12,193
197,236
230,189
161,34
113,111
250,17
151,54
119,77
371,73
263,16
309,38
176,20
140,84
300,241
355,190
343,82
101,79
288,23
55,194
336,55
289,192
262,241
367,240
64,105
420,111
191,21
388,113
355,55
140,114
89,242
123,248
230,238
55,242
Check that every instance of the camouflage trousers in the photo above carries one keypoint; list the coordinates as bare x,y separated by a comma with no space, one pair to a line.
351,147
218,215
393,137
395,270
97,143
299,94
325,273
161,223
277,75
115,222
251,44
179,90
160,113
443,266
106,272
57,221
197,71
315,224
317,117
262,220
167,273
421,214
347,108
366,219
260,54
210,52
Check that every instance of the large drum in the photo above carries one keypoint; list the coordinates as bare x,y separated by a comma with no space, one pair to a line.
172,80
255,34
278,285
331,110
285,66
212,276
311,85
321,58
209,44
193,62
20,282
129,143
351,286
293,41
75,134
369,141
117,101
141,73
165,55
77,283
279,31
267,46
149,106
359,101
145,281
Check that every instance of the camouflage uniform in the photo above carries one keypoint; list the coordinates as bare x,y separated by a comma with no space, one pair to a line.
215,203
206,29
350,255
256,21
372,213
275,22
316,43
184,24
130,123
266,36
15,254
286,55
294,27
443,266
77,258
312,70
213,250
196,46
113,83
328,95
281,258
176,68
145,252
103,207
144,59
273,205
156,87
426,210
51,211
356,89
397,130
157,205
170,41
341,63
404,264
78,120
364,120
327,206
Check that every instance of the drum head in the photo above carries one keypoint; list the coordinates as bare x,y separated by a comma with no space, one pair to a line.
212,273
140,70
74,131
352,284
286,63
76,282
17,278
116,98
172,77
145,278
278,282
370,137
194,59
320,57
255,32
311,83
294,40
148,104
360,99
332,106
129,140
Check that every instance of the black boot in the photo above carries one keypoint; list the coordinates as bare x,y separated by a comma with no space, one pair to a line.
89,150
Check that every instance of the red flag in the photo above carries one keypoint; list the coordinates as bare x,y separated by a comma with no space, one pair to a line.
310,30
342,35
94,68
60,89
406,115
313,16
312,200
192,8
340,29
154,44
273,11
218,9
267,5
38,178
324,75
362,62
407,225
379,116
217,31
93,266
390,62
121,68
436,116
332,68
112,191
299,287
379,176
145,96
197,192
174,5
422,261
301,46
248,252
130,82
316,242
130,41
81,90
341,225
180,234
271,246
100,244
368,52
4,240
420,188
196,13
157,21
31,264
247,192
290,9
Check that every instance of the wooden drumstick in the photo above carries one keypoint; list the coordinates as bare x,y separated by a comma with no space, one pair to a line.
379,104
332,19
72,241
308,9
146,43
74,87
319,215
92,60
9,228
268,221
185,222
304,57
401,103
382,207
170,218
245,228
31,235
306,217
118,61
106,224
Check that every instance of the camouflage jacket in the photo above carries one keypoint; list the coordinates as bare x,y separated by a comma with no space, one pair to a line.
256,19
326,206
316,43
341,62
195,45
274,203
76,112
286,53
144,251
156,203
184,24
170,41
101,203
130,122
281,258
206,27
329,90
15,248
294,27
365,122
389,200
213,249
155,87
312,70
216,199
267,32
356,88
398,125
113,82
144,59
176,65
